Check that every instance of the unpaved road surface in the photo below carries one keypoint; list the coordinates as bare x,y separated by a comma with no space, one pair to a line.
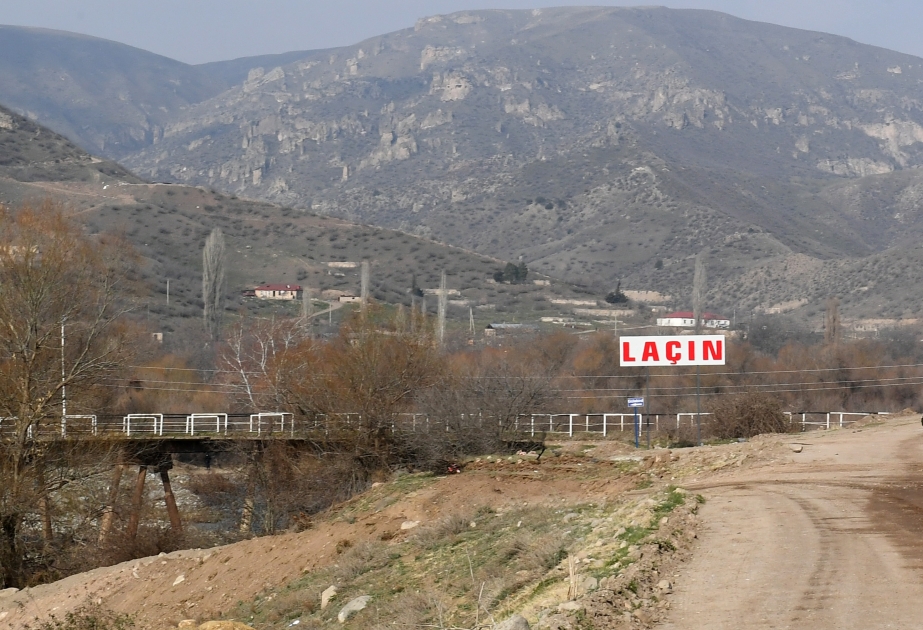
831,538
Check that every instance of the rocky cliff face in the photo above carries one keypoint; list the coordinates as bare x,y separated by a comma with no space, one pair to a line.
525,85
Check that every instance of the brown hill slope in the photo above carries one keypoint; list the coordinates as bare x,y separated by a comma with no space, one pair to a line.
266,243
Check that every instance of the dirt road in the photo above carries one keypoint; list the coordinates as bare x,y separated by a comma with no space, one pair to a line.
831,539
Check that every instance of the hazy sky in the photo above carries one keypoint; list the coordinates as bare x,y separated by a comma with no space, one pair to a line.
196,31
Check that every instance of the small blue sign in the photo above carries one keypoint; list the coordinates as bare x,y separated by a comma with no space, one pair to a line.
636,402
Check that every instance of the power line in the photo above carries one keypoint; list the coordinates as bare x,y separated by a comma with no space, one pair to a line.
808,370
767,391
742,385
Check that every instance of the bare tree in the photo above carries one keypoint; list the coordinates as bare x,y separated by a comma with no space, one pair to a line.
832,322
213,267
53,280
699,282
252,352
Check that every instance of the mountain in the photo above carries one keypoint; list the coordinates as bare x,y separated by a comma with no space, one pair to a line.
107,97
598,143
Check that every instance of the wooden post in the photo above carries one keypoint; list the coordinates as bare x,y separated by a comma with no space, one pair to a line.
136,499
105,523
175,523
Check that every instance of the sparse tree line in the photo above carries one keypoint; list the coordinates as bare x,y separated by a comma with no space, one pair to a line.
384,361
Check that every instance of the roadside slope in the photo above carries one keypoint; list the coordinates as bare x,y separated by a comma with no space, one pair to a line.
824,538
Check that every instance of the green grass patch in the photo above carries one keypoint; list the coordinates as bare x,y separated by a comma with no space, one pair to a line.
454,571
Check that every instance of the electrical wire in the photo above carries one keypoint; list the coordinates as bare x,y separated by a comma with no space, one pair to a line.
764,391
741,385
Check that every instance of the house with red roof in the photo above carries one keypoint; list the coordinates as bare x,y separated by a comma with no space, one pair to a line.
686,319
278,292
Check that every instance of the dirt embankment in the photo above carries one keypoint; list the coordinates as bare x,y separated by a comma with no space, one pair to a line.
782,537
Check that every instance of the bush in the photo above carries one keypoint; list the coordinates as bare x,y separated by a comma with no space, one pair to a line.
616,297
88,617
746,415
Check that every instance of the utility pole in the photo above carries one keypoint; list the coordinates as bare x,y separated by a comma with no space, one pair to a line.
364,286
442,306
307,303
63,386
647,401
168,292
698,291
698,404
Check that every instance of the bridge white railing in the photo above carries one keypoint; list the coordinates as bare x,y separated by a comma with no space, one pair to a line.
270,418
826,419
142,421
285,424
218,420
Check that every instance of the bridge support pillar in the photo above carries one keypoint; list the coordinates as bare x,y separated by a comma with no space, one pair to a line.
136,499
105,523
175,523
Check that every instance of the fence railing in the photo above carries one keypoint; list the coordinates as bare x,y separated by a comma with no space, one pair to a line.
827,419
284,424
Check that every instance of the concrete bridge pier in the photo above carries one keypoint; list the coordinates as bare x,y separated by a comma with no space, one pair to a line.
105,523
136,500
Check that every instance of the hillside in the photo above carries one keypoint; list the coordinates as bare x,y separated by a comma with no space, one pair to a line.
599,143
266,243
30,152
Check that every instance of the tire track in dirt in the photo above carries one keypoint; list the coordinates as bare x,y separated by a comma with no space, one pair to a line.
813,542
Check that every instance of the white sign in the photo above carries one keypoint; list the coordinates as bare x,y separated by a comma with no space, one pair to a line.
672,350
635,402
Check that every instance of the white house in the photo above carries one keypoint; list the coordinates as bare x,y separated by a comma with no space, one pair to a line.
278,292
686,319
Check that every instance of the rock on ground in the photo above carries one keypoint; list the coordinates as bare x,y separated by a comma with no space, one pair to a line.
353,607
516,622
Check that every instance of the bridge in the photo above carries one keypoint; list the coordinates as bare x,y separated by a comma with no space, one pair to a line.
150,440
199,427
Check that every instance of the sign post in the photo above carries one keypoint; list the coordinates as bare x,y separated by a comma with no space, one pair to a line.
673,350
636,403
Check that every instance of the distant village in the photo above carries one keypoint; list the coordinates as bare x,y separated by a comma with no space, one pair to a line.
588,310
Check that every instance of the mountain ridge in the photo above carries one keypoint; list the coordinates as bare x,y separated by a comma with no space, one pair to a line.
601,144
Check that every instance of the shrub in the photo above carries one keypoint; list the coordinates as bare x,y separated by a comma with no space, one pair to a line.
746,415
